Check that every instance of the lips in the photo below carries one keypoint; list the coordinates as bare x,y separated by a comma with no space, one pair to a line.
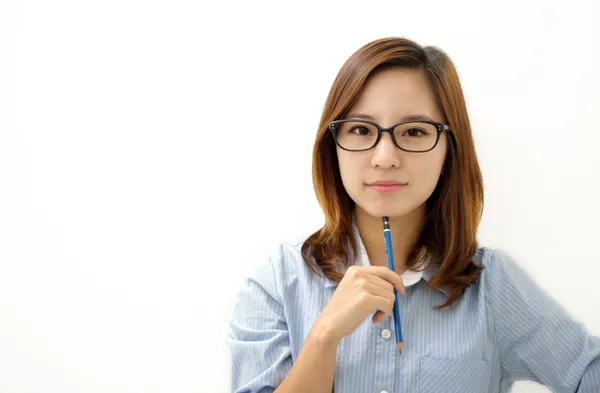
386,183
387,187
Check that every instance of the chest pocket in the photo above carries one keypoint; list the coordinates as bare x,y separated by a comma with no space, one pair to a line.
453,375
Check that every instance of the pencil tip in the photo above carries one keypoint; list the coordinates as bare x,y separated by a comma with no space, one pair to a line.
399,346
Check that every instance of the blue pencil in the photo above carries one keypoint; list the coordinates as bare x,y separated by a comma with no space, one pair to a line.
390,262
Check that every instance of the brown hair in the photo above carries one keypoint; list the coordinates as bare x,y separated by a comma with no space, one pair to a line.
455,207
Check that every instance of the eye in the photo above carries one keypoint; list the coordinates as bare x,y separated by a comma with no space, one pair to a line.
415,129
360,128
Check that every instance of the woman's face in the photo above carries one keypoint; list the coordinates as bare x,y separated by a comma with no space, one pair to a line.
388,97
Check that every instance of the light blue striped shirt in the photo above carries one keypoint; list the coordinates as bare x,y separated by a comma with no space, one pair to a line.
503,329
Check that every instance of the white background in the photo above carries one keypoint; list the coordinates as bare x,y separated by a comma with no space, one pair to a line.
150,149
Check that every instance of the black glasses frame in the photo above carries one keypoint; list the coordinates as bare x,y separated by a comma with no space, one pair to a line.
440,127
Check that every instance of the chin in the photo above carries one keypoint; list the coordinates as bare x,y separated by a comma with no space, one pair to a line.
385,209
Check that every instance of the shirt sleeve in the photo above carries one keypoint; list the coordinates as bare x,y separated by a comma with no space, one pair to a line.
258,335
537,339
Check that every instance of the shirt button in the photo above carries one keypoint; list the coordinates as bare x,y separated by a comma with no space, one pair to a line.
384,391
385,333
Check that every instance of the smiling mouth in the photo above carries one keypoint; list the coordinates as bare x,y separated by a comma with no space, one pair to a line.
387,187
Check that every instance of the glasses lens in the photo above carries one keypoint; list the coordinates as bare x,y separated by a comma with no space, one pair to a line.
356,135
414,136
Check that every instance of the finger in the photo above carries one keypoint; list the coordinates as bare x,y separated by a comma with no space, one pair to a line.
387,275
379,316
384,306
385,286
377,290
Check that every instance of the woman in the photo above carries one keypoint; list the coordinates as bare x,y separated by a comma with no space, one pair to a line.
395,140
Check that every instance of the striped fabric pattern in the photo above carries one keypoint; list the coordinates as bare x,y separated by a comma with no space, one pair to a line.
503,329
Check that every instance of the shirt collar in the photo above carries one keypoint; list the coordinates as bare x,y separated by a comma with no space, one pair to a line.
409,277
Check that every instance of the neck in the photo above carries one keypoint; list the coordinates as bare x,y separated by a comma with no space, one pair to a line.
404,233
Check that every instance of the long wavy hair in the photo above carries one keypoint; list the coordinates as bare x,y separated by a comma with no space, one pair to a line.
455,207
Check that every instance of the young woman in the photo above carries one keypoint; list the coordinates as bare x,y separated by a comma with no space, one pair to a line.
395,140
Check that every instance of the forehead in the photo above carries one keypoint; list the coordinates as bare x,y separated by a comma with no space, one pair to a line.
390,94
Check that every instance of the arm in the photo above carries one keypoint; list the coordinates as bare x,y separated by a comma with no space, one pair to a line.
315,366
537,339
259,341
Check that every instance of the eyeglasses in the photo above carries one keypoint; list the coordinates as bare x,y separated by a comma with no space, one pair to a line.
412,136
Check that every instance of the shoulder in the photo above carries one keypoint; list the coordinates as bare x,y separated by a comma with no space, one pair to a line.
503,273
500,269
285,262
493,258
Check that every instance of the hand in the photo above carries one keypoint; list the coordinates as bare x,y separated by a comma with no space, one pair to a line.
361,290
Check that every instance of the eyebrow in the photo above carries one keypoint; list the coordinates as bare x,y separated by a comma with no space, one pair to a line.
415,117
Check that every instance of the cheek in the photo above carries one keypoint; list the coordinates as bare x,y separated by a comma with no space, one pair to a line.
348,168
351,170
424,172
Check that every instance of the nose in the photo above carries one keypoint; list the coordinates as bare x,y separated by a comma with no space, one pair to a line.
385,153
